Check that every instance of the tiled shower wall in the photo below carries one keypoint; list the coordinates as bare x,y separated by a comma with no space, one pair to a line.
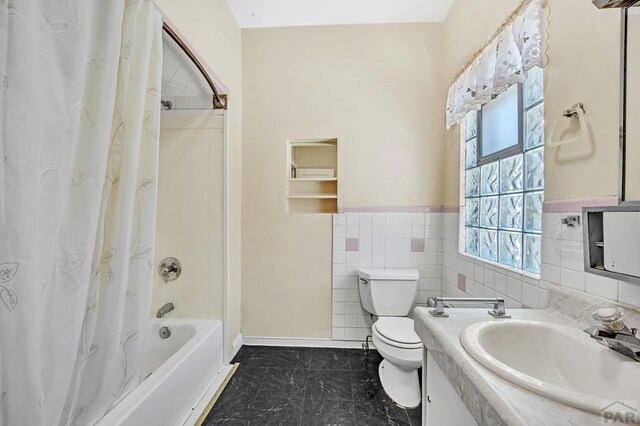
385,240
394,240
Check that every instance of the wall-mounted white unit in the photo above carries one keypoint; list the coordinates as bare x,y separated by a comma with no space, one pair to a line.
312,175
612,241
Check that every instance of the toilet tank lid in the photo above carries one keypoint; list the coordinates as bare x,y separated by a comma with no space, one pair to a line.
389,274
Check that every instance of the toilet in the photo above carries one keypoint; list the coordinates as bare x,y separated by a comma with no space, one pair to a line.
389,294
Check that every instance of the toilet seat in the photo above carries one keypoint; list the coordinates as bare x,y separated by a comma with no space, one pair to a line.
397,332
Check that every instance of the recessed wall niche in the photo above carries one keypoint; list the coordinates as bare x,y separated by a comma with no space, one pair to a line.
312,175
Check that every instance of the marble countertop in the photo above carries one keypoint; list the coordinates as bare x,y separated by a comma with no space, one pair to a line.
491,399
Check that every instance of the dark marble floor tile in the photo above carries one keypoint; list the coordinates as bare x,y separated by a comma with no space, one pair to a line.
360,360
366,386
329,385
415,415
376,413
245,383
232,411
330,359
284,382
272,410
328,413
255,356
271,356
291,358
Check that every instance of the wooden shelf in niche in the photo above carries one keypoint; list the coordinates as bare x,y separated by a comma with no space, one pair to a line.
312,176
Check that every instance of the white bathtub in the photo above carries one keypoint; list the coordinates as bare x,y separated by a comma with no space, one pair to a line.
181,375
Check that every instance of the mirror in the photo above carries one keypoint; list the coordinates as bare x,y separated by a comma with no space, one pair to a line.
630,179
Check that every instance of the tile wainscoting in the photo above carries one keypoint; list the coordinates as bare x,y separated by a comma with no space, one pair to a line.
426,239
389,238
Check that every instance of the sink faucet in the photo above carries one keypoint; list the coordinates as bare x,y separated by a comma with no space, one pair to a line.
166,308
614,334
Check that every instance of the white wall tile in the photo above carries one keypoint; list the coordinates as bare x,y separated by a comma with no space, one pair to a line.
572,279
353,218
601,286
514,288
353,230
340,219
404,219
572,255
404,231
571,233
629,293
417,219
378,244
379,219
366,218
366,231
391,219
350,334
337,333
530,295
379,232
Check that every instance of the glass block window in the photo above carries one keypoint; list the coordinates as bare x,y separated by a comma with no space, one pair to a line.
504,194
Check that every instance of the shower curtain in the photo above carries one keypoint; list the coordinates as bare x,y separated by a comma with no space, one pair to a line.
79,124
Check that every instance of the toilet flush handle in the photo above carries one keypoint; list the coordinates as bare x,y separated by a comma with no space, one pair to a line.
364,281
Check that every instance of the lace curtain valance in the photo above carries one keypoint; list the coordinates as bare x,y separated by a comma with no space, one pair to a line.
519,45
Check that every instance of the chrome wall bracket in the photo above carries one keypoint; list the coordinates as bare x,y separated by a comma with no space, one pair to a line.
439,303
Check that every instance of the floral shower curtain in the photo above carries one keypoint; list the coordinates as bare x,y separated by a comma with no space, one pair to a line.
79,125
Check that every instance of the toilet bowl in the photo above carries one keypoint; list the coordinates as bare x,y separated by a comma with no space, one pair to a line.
389,294
401,349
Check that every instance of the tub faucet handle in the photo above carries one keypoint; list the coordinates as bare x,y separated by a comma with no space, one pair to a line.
170,269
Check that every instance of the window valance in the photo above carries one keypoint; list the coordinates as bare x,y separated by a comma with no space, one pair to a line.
519,45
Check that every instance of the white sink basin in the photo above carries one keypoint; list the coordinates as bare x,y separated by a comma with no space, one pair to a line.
558,362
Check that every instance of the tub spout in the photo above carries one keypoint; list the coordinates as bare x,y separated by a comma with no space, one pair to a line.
166,308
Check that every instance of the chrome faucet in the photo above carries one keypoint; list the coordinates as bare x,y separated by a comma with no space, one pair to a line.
166,308
614,334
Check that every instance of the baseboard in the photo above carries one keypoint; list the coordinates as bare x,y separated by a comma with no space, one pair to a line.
237,344
305,343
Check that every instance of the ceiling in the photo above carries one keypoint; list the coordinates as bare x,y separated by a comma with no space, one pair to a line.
286,13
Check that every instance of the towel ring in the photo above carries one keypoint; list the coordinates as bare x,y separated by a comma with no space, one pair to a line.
576,110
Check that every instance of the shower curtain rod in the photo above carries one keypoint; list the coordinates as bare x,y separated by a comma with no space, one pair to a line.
219,101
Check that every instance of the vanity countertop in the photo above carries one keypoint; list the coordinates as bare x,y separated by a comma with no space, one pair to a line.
491,399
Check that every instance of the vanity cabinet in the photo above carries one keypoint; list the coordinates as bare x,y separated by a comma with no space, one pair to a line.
441,405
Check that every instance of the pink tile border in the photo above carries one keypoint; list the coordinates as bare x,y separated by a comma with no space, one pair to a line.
400,209
556,206
576,205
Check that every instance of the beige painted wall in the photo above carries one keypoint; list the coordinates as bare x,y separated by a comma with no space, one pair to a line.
190,221
583,67
377,88
633,109
212,30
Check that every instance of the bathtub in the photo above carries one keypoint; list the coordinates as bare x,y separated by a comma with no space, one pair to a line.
180,376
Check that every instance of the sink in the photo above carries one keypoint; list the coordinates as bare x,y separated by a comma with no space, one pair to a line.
555,361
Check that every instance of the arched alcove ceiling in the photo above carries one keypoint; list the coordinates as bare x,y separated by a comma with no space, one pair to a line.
182,72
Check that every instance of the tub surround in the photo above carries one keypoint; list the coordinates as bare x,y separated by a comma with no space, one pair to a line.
490,399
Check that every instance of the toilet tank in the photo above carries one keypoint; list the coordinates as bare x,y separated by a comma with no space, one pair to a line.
388,292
